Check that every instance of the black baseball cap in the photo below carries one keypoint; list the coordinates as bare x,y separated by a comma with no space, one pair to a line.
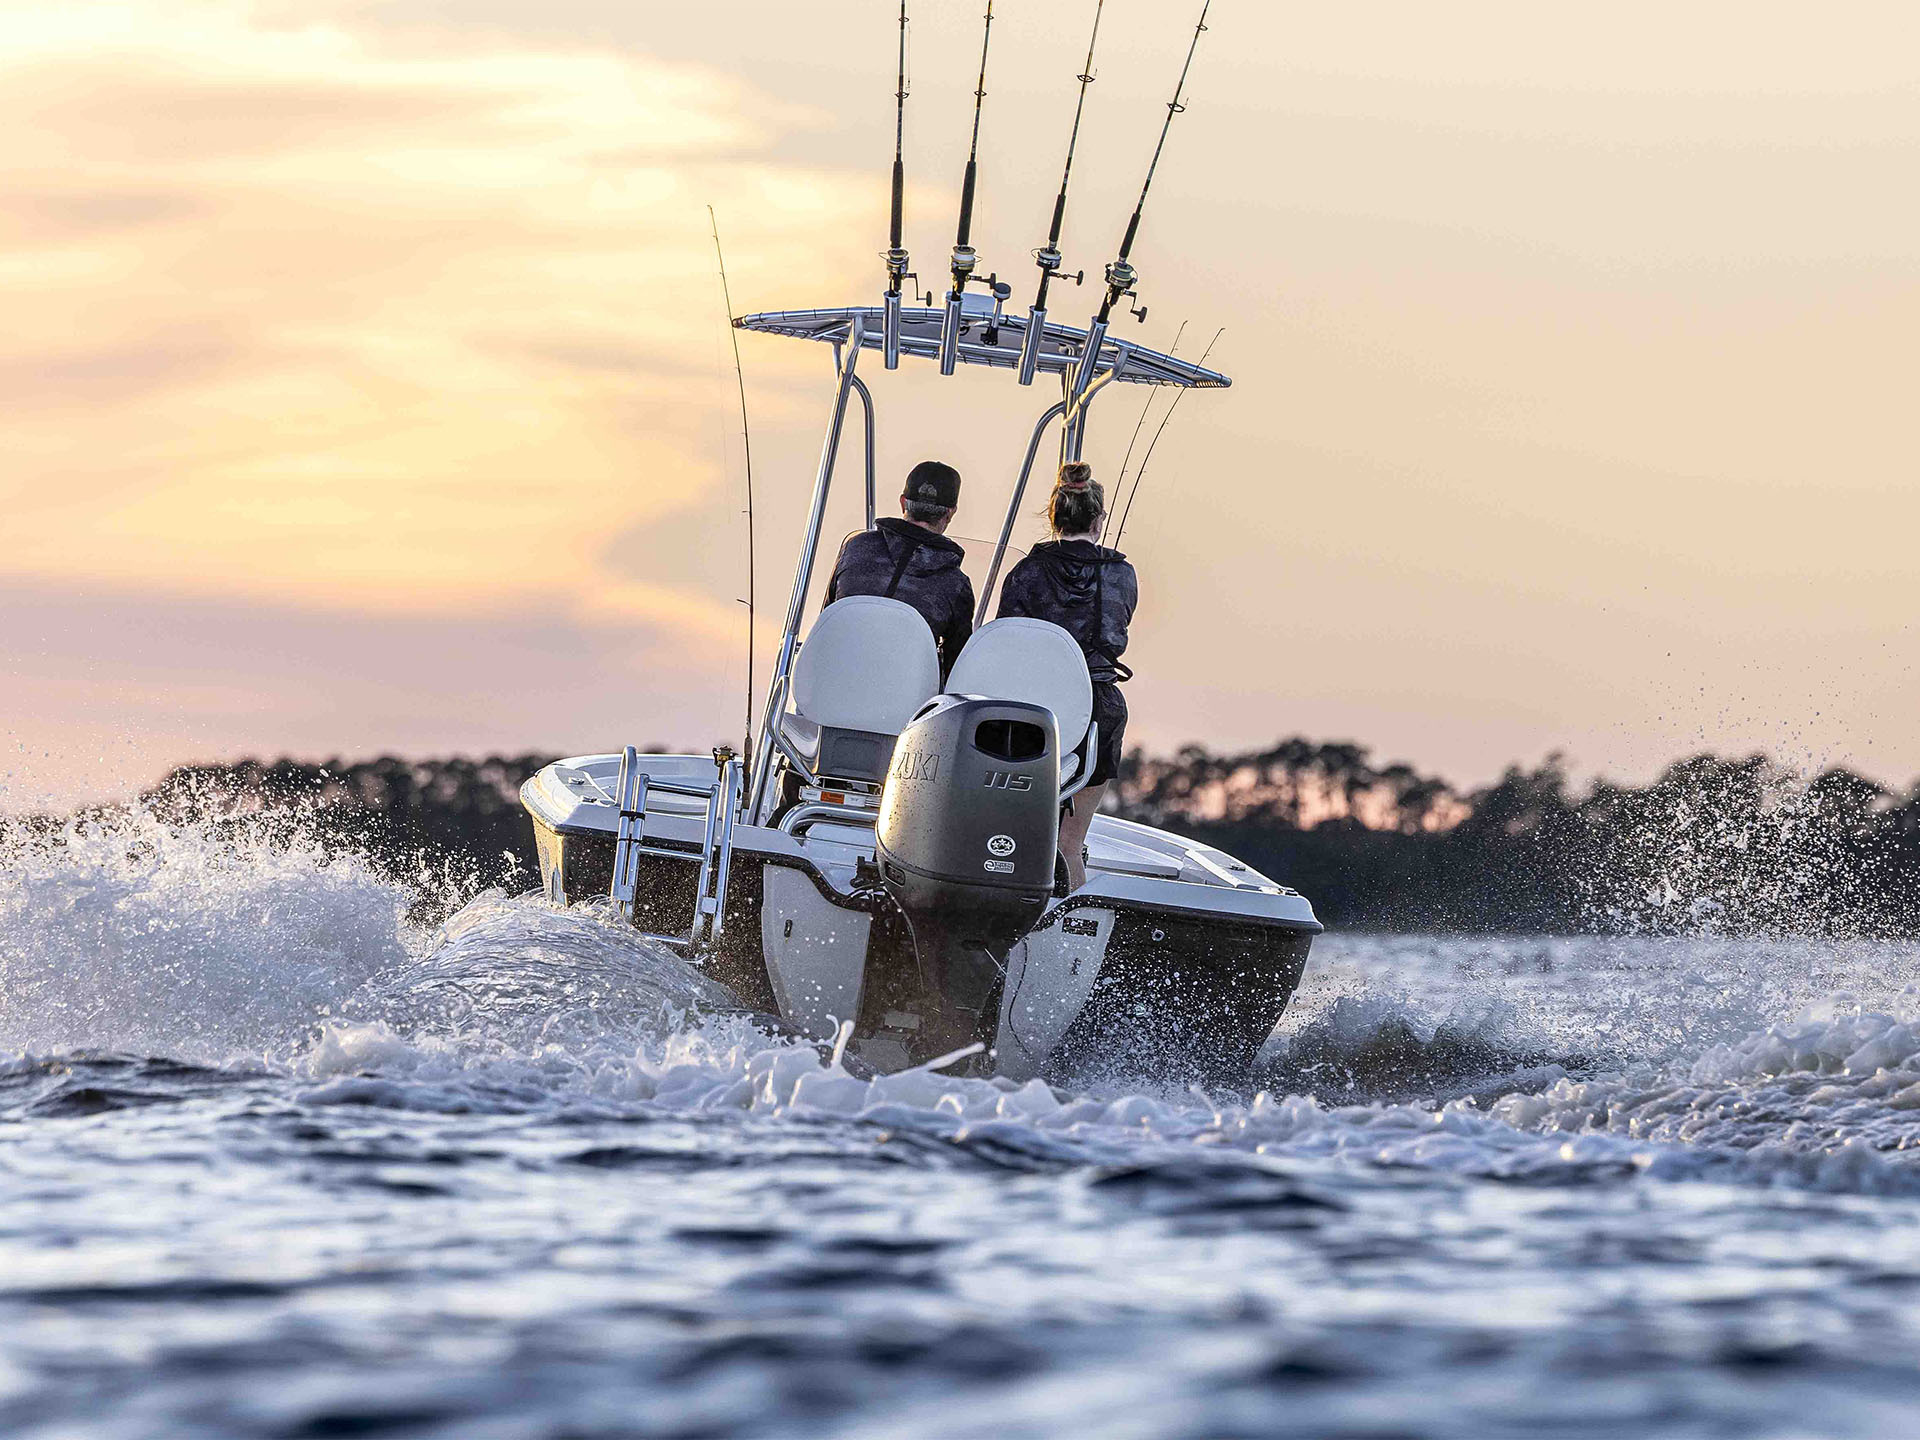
932,483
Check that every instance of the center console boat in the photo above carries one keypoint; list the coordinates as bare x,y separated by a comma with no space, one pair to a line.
886,857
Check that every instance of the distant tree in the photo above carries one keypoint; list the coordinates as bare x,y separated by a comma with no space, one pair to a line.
1734,846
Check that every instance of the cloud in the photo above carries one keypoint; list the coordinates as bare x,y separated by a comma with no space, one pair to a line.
113,373
56,216
298,316
403,313
125,681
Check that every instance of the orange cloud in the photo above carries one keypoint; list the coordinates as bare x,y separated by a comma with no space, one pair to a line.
292,315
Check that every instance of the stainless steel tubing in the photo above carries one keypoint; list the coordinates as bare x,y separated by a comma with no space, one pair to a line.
866,406
890,332
803,573
1030,344
630,831
803,817
1089,748
950,334
1047,417
730,783
1080,383
700,930
1090,357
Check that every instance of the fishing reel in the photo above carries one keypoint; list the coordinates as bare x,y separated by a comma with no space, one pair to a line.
964,260
1050,260
912,292
1121,278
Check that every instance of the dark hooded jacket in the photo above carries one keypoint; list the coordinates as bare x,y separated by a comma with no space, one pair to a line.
1087,590
910,563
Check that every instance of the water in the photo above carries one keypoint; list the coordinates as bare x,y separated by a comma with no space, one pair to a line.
277,1159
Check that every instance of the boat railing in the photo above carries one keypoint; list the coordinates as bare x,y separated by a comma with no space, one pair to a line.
714,857
801,818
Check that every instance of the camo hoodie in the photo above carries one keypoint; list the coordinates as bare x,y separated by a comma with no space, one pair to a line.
1086,589
912,564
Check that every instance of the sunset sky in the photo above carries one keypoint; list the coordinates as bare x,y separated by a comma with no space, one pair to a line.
365,387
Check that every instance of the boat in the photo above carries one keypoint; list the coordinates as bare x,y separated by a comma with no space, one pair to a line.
878,871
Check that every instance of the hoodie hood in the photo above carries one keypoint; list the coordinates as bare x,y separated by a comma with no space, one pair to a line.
1086,589
1075,565
932,553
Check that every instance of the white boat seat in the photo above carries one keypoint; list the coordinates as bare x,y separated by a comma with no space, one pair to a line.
867,666
1018,658
831,750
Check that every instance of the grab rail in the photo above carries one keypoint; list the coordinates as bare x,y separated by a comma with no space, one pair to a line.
1089,753
715,856
804,817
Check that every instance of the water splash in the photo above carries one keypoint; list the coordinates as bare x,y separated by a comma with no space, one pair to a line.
202,941
256,944
1724,847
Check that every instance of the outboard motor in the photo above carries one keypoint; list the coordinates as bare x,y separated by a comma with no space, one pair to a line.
969,823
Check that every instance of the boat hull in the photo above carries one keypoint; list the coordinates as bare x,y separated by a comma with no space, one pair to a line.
1134,976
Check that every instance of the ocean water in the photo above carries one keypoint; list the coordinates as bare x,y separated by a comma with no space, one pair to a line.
283,1153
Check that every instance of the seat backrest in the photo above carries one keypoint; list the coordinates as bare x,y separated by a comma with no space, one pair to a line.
867,664
1017,658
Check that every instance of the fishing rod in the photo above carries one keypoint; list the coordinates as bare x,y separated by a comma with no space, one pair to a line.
746,444
963,256
1152,393
1147,459
1121,277
1048,257
896,256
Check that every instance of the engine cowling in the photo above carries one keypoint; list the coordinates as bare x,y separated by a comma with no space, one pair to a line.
968,826
970,816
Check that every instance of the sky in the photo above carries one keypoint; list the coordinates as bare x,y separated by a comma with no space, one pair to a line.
365,384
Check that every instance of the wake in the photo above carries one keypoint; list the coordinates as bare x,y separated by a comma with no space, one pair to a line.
256,950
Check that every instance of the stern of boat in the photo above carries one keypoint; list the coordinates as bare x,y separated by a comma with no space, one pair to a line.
1175,960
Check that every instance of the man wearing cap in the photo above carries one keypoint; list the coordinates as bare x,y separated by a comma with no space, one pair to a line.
912,560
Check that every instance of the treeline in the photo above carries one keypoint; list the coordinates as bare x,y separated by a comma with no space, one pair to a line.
459,812
1726,845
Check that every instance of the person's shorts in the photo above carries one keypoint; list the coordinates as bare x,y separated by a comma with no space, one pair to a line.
1110,714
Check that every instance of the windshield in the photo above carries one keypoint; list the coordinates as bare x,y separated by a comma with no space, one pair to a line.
980,556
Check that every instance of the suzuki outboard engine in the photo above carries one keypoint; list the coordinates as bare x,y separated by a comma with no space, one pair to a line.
969,823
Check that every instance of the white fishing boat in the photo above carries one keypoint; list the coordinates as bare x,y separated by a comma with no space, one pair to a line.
886,855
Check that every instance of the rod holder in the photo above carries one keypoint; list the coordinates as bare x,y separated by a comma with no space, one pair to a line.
950,334
1031,342
890,331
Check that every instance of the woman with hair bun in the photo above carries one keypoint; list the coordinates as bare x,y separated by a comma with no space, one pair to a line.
1090,592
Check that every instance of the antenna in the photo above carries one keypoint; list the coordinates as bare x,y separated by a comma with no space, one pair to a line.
896,257
1047,257
1147,459
1120,274
963,256
746,442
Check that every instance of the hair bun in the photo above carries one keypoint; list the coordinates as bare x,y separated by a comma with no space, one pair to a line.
1075,475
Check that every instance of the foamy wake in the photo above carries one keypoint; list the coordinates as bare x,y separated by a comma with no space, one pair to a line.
206,943
259,947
